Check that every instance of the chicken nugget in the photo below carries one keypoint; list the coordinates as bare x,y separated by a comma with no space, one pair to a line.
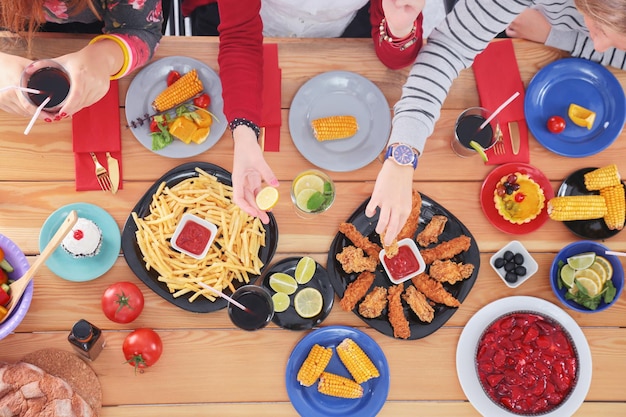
356,290
419,304
450,271
374,303
446,250
432,231
353,259
359,240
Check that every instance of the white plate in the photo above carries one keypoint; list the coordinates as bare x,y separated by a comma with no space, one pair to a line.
466,354
340,93
151,80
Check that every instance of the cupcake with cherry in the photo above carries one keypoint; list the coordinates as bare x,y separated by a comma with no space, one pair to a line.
84,240
518,198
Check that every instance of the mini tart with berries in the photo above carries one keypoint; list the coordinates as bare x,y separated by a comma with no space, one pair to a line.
518,198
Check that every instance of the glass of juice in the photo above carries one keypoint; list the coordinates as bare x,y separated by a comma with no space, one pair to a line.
259,307
466,130
51,79
312,192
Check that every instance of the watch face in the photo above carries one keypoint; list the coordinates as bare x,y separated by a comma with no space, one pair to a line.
403,155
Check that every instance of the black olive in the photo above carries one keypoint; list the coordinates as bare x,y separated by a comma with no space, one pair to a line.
520,270
519,259
509,266
499,262
509,190
508,255
510,277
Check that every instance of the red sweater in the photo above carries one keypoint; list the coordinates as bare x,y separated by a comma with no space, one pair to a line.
241,52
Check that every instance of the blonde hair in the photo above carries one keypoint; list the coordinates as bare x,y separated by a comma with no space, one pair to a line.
609,14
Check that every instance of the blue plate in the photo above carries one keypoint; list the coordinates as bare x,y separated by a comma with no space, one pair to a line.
579,81
309,402
82,269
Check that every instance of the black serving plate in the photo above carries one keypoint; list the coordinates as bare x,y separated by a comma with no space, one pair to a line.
289,319
366,225
134,257
594,229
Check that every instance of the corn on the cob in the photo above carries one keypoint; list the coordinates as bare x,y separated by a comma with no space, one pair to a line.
334,127
339,386
180,91
597,179
579,207
615,200
314,365
356,361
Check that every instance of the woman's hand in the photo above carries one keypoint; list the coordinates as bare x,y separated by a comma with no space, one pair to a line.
249,170
392,193
13,100
400,15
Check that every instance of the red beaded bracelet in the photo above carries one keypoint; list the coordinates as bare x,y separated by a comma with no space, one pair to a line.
401,44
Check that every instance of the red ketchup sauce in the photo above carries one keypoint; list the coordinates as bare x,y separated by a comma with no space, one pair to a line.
403,264
193,238
526,363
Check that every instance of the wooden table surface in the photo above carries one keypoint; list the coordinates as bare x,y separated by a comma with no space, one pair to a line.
211,368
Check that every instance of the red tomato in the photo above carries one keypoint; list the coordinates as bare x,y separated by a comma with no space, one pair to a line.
172,77
142,348
4,278
556,124
154,126
202,101
122,302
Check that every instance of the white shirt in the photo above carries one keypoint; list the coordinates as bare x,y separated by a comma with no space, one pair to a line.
308,18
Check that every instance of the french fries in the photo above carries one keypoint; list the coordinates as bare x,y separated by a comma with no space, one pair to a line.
234,254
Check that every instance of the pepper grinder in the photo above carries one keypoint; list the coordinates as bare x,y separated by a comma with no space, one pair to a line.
86,339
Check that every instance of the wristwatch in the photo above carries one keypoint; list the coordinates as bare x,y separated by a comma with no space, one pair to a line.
402,154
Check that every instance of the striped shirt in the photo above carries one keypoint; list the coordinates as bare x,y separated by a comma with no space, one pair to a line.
465,32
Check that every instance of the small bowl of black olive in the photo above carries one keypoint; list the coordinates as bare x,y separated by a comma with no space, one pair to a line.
514,264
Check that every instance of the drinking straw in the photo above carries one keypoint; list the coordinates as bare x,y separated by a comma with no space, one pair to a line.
24,89
498,110
36,115
610,252
221,294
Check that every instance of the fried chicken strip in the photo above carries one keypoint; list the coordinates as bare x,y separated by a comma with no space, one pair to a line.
419,304
374,303
395,313
353,259
391,250
411,224
359,240
432,231
450,271
446,250
434,290
356,290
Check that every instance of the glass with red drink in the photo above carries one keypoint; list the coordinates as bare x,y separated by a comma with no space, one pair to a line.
467,129
51,79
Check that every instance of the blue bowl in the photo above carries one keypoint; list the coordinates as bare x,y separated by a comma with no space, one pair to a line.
20,264
575,249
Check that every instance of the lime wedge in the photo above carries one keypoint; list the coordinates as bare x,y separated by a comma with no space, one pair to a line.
305,269
281,302
481,151
582,260
567,276
281,282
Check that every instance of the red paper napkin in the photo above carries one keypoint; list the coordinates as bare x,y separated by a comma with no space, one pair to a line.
497,78
97,129
271,112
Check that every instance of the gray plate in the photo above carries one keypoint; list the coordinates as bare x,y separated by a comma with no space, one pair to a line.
151,81
338,93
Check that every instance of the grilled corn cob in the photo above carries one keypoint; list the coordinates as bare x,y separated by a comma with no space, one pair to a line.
579,207
314,365
339,386
615,201
180,91
334,127
356,361
597,179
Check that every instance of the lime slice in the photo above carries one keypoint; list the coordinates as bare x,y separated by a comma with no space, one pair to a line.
308,181
281,302
582,261
308,302
302,198
591,275
267,198
305,269
589,285
567,276
604,263
599,269
281,282
481,151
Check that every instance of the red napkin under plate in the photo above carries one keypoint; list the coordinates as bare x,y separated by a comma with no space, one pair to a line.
498,78
271,112
97,129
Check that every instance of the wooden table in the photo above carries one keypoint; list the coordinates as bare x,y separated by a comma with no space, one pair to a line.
211,368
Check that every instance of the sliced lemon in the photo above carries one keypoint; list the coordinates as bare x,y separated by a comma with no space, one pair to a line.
589,285
267,198
281,282
302,198
281,302
582,260
599,269
567,276
581,116
305,269
308,302
309,181
602,261
591,275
